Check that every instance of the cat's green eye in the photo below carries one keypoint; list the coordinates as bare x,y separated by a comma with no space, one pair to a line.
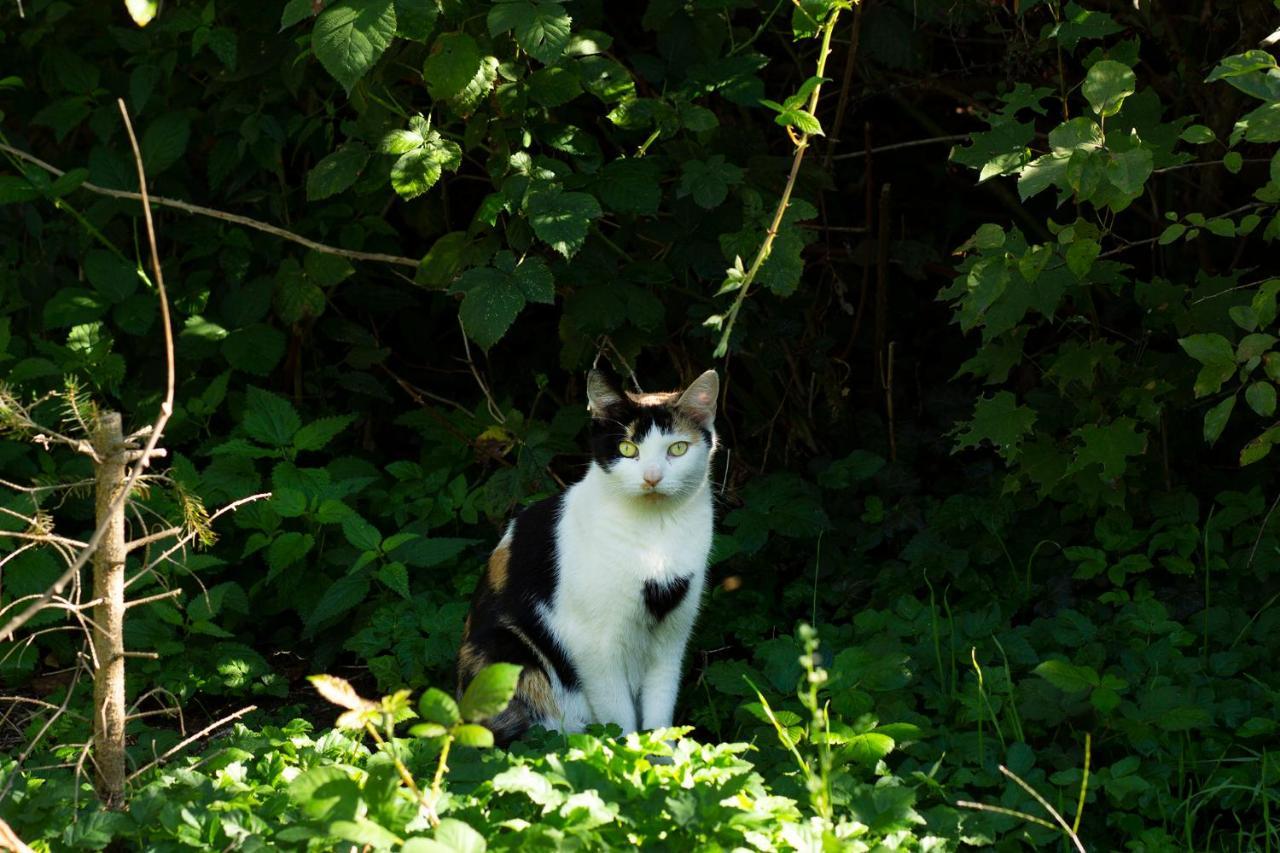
678,448
628,449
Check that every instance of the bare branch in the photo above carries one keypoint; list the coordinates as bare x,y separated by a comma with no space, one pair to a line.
198,210
153,537
173,593
231,507
178,747
26,753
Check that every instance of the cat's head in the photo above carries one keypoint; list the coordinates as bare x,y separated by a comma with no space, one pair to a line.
653,447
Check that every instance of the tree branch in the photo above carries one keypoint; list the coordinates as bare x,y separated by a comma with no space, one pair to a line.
199,210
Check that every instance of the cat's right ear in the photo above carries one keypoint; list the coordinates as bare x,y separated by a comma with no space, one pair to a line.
602,393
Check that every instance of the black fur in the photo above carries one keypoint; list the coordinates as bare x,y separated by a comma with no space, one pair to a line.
531,580
609,428
661,599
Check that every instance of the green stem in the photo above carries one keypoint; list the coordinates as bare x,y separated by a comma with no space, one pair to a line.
802,145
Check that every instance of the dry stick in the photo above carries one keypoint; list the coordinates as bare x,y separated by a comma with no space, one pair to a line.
854,155
802,145
26,753
212,213
231,507
1075,839
169,753
845,83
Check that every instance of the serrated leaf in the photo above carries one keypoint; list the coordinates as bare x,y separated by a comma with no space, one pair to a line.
287,549
492,302
708,181
336,172
454,61
164,142
396,577
318,433
360,533
535,281
269,418
418,170
1000,421
342,595
489,692
561,219
110,275
541,27
350,36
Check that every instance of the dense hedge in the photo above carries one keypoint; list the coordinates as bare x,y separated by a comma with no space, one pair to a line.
997,413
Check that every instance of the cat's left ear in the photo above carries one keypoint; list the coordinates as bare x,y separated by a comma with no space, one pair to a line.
699,399
602,393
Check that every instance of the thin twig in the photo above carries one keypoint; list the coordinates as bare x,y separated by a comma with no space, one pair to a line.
169,753
152,537
26,753
231,507
854,155
1075,839
212,213
157,429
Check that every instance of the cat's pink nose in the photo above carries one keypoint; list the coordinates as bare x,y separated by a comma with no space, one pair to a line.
652,477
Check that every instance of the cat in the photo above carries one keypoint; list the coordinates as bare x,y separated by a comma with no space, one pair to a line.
594,592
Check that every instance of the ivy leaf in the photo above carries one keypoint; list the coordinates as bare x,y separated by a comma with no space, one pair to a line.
542,28
491,304
269,418
1106,86
1215,420
489,692
454,62
1000,421
561,218
708,181
419,169
350,36
336,172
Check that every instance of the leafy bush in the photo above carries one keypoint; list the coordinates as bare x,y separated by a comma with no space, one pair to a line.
1038,536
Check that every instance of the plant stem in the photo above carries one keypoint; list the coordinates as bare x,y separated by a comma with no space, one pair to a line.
802,145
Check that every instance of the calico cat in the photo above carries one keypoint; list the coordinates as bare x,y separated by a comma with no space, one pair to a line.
594,592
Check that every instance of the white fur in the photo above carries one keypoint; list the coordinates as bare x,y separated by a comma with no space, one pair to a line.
617,532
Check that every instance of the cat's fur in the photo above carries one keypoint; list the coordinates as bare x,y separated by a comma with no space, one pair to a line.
594,592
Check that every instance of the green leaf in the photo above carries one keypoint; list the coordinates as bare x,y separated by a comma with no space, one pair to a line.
1197,134
1129,170
453,64
326,793
541,27
15,190
708,181
1261,125
1000,421
1253,346
1067,677
287,549
561,219
489,692
295,298
350,36
318,433
438,707
1173,232
336,172
535,281
255,349
396,577
342,595
418,170
1041,173
1259,447
802,120
867,748
470,734
295,11
1079,24
1106,86
110,275
164,142
269,418
492,301
1080,256
1208,348
1261,397
360,533
1108,446
630,186
1215,420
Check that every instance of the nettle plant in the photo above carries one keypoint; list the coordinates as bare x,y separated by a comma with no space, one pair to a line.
1062,299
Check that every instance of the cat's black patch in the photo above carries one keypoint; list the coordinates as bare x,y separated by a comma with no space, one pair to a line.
611,427
531,580
661,598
